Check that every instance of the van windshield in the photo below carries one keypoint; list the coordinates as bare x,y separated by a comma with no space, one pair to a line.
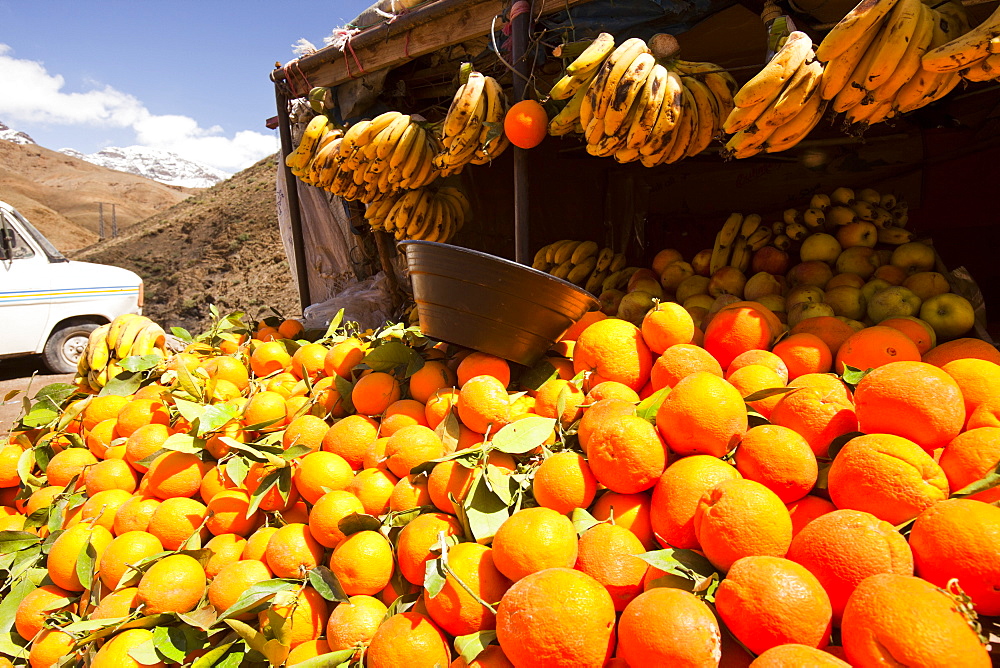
50,251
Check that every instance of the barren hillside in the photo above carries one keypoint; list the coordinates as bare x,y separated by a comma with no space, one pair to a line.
219,246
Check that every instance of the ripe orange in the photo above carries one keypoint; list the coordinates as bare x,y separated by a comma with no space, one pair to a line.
124,550
483,404
753,378
554,391
144,442
665,325
627,455
563,482
362,563
585,321
453,478
526,124
482,364
986,415
118,603
680,361
410,492
831,329
919,331
741,518
257,543
227,514
305,614
269,358
613,349
354,621
534,539
804,353
689,429
350,438
176,520
793,655
430,378
580,620
676,496
413,546
491,657
343,357
910,620
265,408
875,346
310,649
979,381
806,509
844,547
410,447
816,414
630,511
309,360
374,393
960,538
173,584
454,609
134,514
292,551
607,553
101,508
225,549
763,358
139,412
740,327
307,430
962,349
229,369
970,457
612,389
109,474
231,581
102,408
174,474
771,601
216,480
67,464
49,647
914,400
604,410
100,437
778,458
29,618
374,488
402,413
66,549
408,638
439,405
668,627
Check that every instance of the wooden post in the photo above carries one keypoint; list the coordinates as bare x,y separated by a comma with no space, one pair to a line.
520,27
294,213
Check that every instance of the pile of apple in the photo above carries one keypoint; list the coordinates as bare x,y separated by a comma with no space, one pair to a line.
842,273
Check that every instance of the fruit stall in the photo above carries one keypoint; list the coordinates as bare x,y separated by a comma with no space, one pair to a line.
742,408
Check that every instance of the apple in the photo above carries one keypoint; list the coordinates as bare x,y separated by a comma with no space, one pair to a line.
610,299
703,300
803,310
890,273
723,301
760,284
852,280
949,314
846,301
702,262
820,246
874,286
892,302
803,293
774,302
856,325
858,233
663,259
634,306
673,274
926,284
650,286
697,314
770,259
925,339
860,260
727,280
913,257
884,255
640,275
693,285
813,272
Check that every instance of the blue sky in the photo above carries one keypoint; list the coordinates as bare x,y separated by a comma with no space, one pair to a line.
184,76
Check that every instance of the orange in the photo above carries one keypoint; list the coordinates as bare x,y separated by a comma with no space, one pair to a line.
100,437
740,327
350,438
269,358
804,353
354,621
753,378
741,518
118,603
305,613
844,547
290,328
483,404
577,328
439,405
43,497
9,456
668,627
688,428
374,488
806,509
296,513
415,541
873,347
919,331
374,393
613,349
963,348
554,391
232,580
563,482
327,397
607,553
139,412
680,361
604,410
225,549
778,458
265,412
126,549
257,543
216,480
970,457
451,477
410,492
770,601
101,508
580,619
915,400
49,647
986,414
482,364
430,378
676,496
526,124
408,638
910,620
362,563
612,389
627,455
66,464
818,415
176,520
267,334
310,649
173,584
764,358
402,413
283,383
410,447
327,512
831,329
174,474
134,514
229,369
454,609
109,474
491,657
144,442
344,356
100,409
307,430
292,551
29,618
227,513
665,325
793,655
534,539
887,476
978,380
960,538
309,361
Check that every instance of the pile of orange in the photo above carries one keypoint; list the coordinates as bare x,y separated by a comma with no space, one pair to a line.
726,501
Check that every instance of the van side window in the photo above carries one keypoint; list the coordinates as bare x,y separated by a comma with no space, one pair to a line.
21,248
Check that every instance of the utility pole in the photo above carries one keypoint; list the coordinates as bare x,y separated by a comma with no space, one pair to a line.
114,220
100,209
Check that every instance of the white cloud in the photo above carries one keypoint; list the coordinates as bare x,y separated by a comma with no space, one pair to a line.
29,93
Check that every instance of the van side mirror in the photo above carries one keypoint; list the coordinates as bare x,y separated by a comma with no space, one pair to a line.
6,243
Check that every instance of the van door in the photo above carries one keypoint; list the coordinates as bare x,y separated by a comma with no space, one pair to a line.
25,280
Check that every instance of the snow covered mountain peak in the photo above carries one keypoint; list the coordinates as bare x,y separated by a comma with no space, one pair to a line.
154,164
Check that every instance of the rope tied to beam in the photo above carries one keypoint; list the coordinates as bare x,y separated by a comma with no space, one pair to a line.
297,80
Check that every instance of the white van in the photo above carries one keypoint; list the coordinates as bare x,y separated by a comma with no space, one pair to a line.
49,304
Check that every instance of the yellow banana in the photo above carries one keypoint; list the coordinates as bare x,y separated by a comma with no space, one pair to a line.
604,258
837,72
854,91
594,283
550,254
539,257
724,239
770,80
628,87
741,255
562,270
709,122
617,262
684,134
613,71
858,22
307,144
464,104
760,238
987,69
593,56
580,272
793,131
745,118
386,140
564,122
375,126
585,250
648,105
909,64
795,96
669,114
894,235
966,49
901,23
98,353
565,252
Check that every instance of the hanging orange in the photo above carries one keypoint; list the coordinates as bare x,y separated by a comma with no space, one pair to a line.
526,124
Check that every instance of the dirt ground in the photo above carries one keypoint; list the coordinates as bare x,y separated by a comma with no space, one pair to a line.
28,375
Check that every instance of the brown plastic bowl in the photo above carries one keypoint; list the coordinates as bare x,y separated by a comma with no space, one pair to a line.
490,304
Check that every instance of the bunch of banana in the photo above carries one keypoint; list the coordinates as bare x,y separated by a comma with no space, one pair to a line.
737,240
429,214
628,105
472,131
127,335
780,105
975,55
875,67
582,263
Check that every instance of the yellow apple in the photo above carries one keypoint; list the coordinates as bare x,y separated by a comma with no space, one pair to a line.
873,286
727,281
610,299
760,284
812,272
702,262
949,314
650,286
856,325
770,259
846,301
804,310
774,302
926,284
673,274
858,233
663,259
913,257
890,273
703,300
820,246
693,285
892,302
634,306
803,293
852,280
860,260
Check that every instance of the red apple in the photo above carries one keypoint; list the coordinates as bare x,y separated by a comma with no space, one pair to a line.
770,259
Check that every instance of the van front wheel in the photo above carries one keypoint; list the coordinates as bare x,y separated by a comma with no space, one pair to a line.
65,345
